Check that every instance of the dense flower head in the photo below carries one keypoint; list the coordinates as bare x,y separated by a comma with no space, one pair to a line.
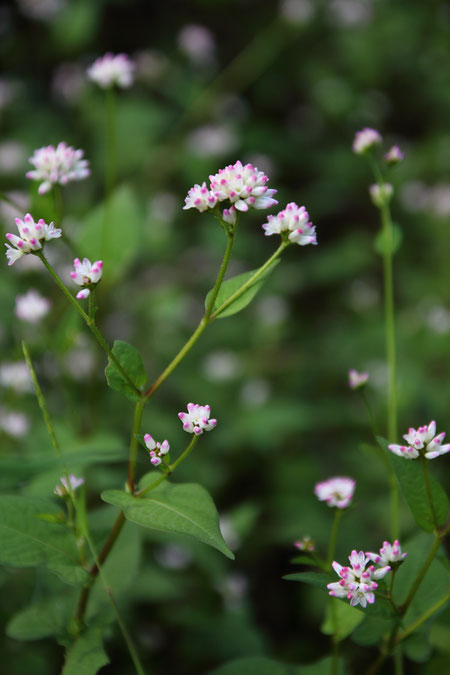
295,220
389,554
196,420
31,306
394,155
157,450
112,69
365,140
357,380
32,236
16,376
305,544
68,486
244,186
58,165
337,491
86,274
421,441
357,583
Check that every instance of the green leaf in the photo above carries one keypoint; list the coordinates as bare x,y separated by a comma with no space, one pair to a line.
417,646
131,361
397,238
312,578
371,630
305,560
409,473
342,615
182,509
118,245
232,285
87,655
28,541
41,620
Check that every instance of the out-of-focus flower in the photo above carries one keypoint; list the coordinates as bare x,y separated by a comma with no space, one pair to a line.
337,491
357,583
68,82
196,420
68,486
197,42
16,376
14,423
295,220
389,554
305,544
12,156
365,140
357,380
255,392
59,165
394,155
381,194
421,441
272,310
211,140
200,198
112,69
157,450
297,11
31,306
86,274
220,366
32,237
350,12
42,10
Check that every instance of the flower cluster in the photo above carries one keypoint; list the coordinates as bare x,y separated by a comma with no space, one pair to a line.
68,486
306,544
157,450
422,441
357,380
32,236
365,140
242,185
394,156
357,583
390,554
31,306
196,420
58,165
295,221
337,491
112,69
86,274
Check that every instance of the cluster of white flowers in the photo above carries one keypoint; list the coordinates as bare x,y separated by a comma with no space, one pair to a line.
365,140
422,441
32,237
389,554
196,420
357,380
357,583
31,306
112,69
58,165
337,491
86,274
68,486
157,450
242,185
295,220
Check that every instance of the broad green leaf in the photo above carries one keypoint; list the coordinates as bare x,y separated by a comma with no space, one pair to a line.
342,615
41,620
29,541
131,361
371,630
397,238
232,285
115,241
410,475
417,646
86,656
317,579
305,560
182,509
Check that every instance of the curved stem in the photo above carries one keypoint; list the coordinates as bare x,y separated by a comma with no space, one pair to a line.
423,570
426,479
424,617
89,321
134,444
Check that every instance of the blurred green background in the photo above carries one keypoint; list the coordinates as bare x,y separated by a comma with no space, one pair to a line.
284,85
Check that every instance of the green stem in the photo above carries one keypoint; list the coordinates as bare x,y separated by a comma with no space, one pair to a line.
171,469
110,169
250,282
134,444
333,535
423,570
398,661
89,321
426,479
424,617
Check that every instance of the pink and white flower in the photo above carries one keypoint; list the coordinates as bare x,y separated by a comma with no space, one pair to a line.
68,486
421,441
32,236
357,380
294,220
305,544
157,450
389,553
86,274
112,69
196,420
58,165
394,155
200,198
31,306
337,491
365,140
357,583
